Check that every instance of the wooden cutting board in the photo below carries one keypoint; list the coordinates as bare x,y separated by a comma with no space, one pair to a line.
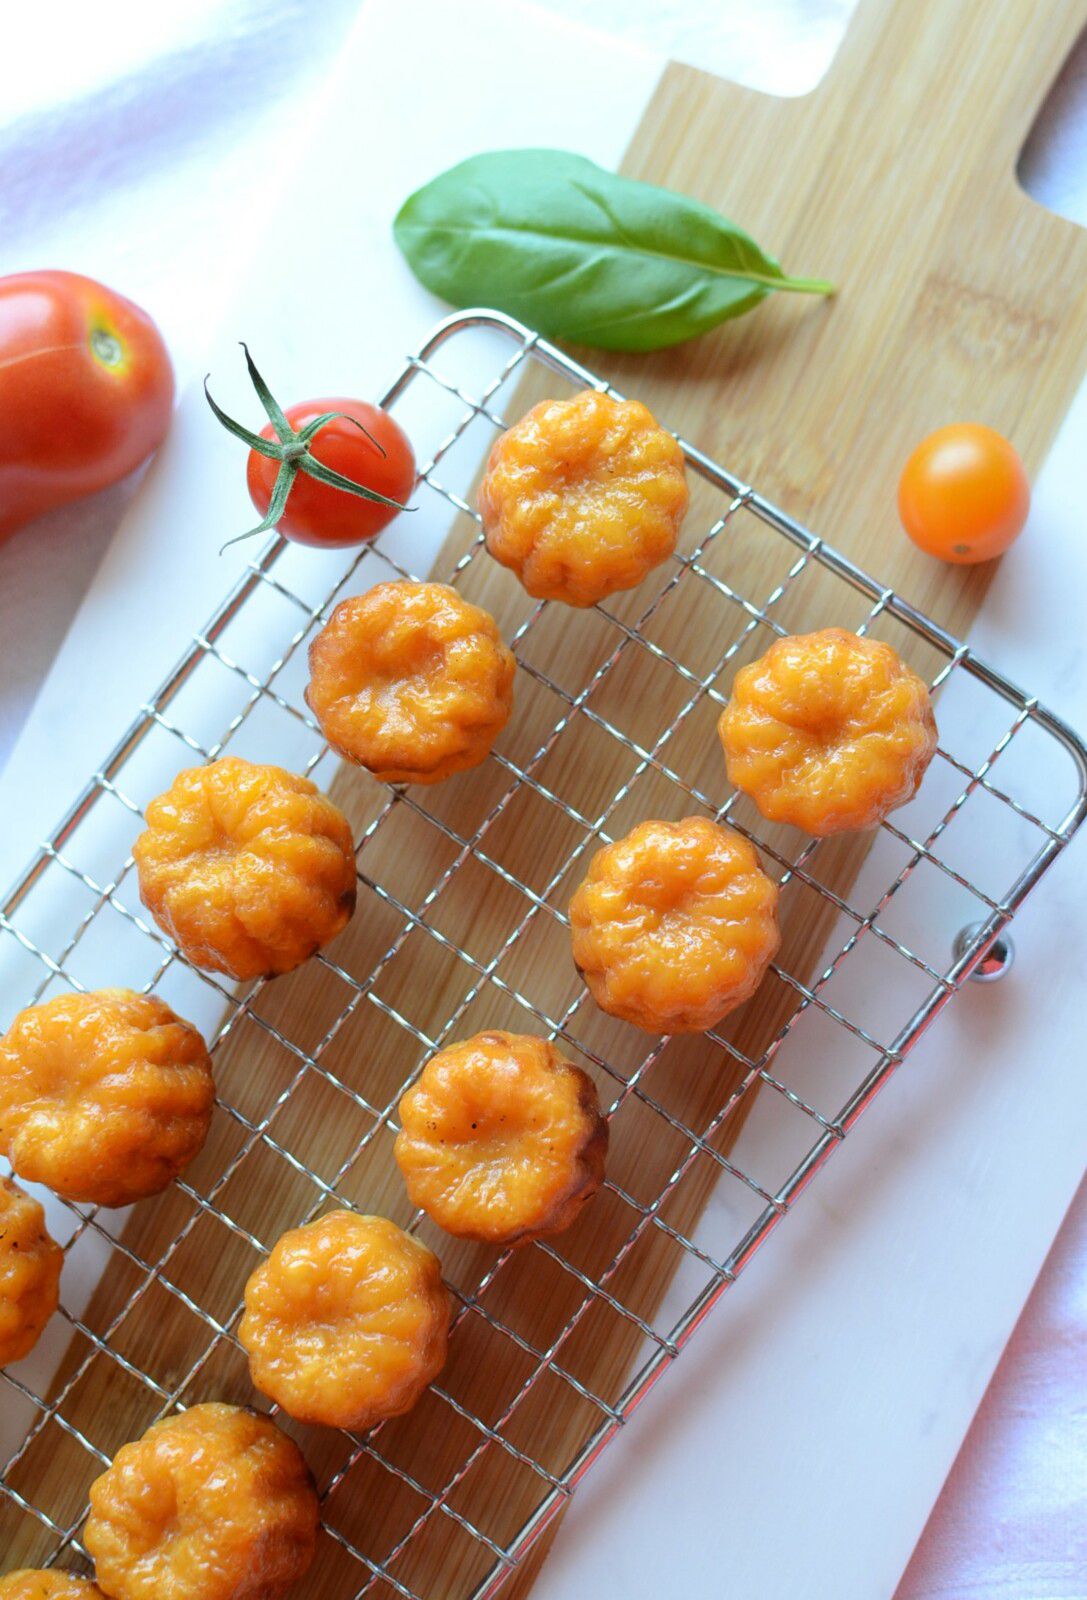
958,298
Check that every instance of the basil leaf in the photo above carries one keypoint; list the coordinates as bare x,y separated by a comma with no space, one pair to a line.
580,253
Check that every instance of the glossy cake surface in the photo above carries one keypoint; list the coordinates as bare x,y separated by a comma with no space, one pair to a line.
583,497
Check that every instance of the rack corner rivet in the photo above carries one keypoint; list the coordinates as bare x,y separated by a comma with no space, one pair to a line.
997,960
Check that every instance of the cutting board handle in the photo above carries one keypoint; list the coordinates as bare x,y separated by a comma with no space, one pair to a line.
1000,55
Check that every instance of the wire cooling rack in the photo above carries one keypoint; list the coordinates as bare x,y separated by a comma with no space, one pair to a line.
555,1345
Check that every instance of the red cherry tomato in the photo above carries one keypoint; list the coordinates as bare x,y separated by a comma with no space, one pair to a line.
318,513
86,391
963,494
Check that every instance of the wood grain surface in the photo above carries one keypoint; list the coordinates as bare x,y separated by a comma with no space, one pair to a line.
958,298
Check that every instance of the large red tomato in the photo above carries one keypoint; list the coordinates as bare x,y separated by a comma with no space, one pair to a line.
86,391
380,459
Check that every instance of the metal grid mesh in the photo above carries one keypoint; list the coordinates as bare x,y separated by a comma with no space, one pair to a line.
76,910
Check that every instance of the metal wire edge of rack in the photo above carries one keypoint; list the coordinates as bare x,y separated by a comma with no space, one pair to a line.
725,1271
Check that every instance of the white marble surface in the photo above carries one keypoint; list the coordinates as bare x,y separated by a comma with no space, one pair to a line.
142,148
799,1447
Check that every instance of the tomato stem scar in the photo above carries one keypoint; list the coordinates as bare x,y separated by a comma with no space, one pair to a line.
107,347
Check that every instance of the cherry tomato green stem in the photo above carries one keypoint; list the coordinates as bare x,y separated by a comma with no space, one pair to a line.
330,472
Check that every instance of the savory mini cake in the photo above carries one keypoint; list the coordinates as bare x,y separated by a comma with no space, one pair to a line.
583,497
346,1322
674,925
828,731
248,868
501,1139
47,1585
104,1097
30,1263
411,682
213,1503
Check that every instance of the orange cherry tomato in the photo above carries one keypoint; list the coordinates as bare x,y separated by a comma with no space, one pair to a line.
963,494
86,391
318,513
